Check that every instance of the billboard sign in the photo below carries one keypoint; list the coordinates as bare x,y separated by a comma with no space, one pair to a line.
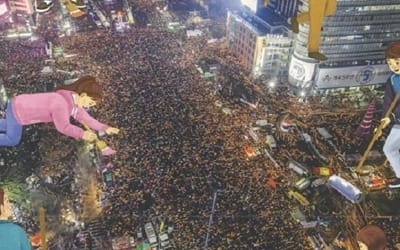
301,71
352,76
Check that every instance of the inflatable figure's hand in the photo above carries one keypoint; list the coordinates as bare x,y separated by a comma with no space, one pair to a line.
378,133
89,136
385,121
112,130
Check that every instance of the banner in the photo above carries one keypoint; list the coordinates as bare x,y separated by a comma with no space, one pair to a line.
351,76
300,71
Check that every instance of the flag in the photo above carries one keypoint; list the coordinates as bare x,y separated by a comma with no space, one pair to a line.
36,239
285,125
364,129
271,182
249,151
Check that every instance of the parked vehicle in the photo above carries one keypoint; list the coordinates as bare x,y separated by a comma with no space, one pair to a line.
271,142
302,184
151,234
297,167
164,241
324,133
323,171
253,134
108,177
299,197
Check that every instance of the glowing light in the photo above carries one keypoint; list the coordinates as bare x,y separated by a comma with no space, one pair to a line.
3,8
250,151
271,84
67,25
13,35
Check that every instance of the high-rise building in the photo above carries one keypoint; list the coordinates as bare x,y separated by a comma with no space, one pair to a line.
263,47
354,39
287,8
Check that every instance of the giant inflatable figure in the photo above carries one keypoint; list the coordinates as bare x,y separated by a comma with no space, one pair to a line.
371,237
57,107
317,10
12,236
392,143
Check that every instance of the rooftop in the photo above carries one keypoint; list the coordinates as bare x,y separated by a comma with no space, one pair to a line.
272,18
265,22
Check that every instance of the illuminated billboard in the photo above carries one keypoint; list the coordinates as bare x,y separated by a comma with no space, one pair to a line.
251,4
4,9
352,76
300,71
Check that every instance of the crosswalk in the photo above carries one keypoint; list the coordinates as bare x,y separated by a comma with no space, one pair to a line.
95,237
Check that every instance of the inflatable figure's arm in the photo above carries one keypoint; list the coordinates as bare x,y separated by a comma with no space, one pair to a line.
112,130
25,243
61,120
83,117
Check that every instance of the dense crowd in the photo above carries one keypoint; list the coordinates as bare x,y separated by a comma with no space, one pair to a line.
176,148
177,152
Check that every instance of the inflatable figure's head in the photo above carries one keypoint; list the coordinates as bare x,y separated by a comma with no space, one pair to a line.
392,55
85,86
371,237
5,205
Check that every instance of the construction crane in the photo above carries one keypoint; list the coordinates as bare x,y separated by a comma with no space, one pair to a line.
42,223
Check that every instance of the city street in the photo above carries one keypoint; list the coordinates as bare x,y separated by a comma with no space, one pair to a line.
220,162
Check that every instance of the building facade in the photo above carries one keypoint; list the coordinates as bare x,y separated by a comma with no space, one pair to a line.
354,39
4,10
287,8
263,48
22,6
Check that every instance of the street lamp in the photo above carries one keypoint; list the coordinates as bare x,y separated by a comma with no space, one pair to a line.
272,84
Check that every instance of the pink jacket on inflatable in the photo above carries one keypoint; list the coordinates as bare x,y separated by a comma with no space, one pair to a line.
56,107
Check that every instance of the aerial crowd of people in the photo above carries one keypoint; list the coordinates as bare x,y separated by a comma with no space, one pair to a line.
178,155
